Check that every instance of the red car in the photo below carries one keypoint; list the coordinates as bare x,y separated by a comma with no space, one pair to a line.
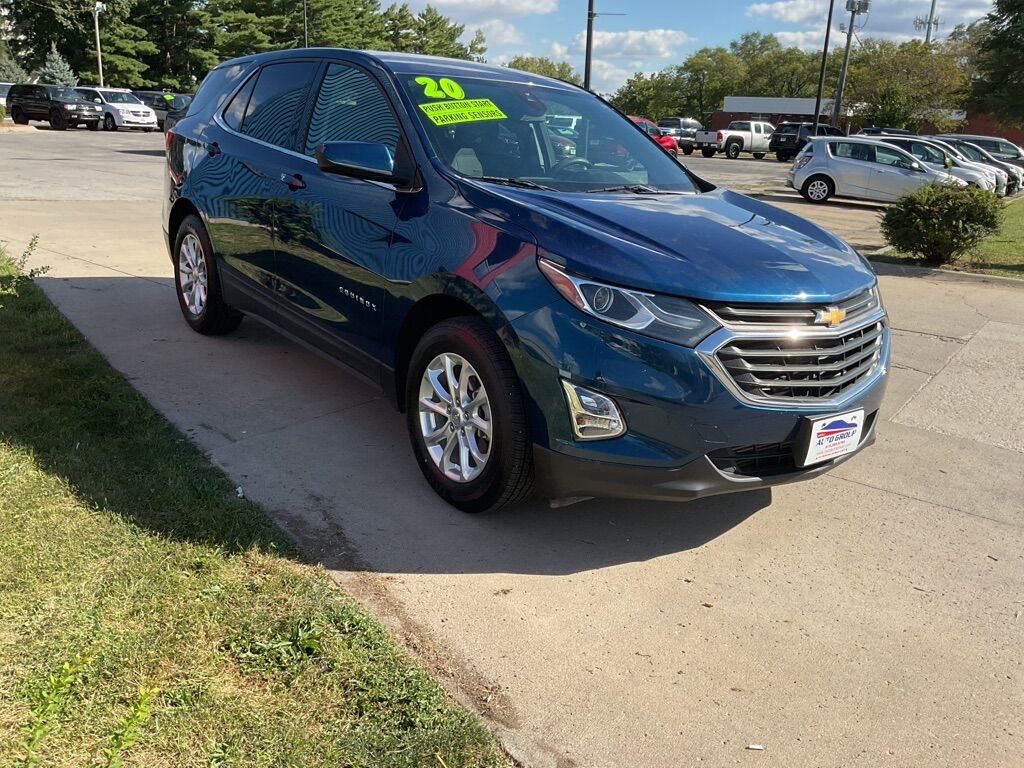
665,142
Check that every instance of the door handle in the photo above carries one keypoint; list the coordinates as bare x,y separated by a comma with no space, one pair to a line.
294,182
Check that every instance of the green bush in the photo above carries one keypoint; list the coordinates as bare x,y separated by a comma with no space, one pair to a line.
3,112
940,222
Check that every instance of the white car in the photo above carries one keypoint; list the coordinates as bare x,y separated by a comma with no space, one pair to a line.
863,168
121,108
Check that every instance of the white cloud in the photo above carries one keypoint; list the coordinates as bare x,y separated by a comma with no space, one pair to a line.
501,32
483,11
634,44
791,11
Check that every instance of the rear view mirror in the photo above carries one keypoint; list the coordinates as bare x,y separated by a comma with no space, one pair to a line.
360,160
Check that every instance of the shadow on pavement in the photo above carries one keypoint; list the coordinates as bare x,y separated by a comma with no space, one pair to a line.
144,152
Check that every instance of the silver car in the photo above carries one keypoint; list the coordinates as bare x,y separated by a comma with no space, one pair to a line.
936,156
861,168
979,155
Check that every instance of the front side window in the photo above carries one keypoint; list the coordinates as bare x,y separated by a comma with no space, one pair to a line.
60,93
487,127
927,154
120,97
90,95
1007,149
351,107
277,101
891,157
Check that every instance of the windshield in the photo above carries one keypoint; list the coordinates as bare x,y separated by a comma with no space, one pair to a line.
534,135
64,94
120,97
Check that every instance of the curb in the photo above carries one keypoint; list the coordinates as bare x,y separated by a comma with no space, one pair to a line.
888,269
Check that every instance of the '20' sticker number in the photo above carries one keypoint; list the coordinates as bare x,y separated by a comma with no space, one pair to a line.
440,89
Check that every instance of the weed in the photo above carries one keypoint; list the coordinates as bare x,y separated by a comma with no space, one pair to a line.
49,702
129,729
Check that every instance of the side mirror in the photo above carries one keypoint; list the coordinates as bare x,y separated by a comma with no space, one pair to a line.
916,167
360,160
97,101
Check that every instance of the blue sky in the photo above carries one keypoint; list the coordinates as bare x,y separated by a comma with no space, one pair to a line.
657,33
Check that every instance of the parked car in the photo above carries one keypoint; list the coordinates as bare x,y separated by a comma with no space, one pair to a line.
683,130
1000,149
606,324
662,140
979,155
873,131
1004,180
740,136
938,157
861,168
61,107
121,108
163,101
789,138
4,88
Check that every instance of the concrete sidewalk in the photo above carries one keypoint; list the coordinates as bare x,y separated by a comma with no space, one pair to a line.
872,617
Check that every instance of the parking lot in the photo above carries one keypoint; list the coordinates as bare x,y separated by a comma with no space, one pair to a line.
871,617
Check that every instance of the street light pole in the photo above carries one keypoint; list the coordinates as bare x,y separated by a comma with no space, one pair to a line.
824,61
96,8
838,105
931,24
590,44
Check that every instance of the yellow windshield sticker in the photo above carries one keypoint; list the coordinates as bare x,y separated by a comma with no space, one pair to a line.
467,111
440,89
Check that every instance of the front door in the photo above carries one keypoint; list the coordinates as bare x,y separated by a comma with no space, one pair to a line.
892,174
334,232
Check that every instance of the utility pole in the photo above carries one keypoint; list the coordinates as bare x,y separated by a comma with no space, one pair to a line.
854,7
824,61
305,24
931,24
590,44
96,8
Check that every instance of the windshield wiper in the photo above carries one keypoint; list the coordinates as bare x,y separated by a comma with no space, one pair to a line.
514,182
637,189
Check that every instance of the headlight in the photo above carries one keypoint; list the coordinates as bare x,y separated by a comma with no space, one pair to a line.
663,317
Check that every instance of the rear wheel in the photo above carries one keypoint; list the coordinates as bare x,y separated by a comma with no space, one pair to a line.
466,417
732,150
782,157
109,124
18,116
57,121
708,151
818,189
197,282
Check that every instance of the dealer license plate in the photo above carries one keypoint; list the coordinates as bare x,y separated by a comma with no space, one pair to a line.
832,437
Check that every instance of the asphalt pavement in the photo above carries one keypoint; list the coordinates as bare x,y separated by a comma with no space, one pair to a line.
872,617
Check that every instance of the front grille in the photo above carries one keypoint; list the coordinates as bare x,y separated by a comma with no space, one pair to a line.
742,315
810,367
762,460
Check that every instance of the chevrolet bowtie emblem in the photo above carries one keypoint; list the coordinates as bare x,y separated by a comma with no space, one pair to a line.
830,316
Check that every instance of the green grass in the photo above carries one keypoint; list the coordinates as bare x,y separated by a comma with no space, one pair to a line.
148,617
1002,254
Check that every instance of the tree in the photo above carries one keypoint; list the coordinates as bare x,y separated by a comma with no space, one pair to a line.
541,65
707,77
653,96
10,70
437,35
1000,86
55,70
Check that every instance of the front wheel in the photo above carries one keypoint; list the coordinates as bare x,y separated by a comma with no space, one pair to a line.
466,417
94,125
687,151
57,121
109,123
708,151
818,189
197,282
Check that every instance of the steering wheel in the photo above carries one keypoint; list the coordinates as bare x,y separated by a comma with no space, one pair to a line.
569,162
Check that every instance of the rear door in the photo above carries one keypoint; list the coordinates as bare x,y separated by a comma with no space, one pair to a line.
334,232
37,102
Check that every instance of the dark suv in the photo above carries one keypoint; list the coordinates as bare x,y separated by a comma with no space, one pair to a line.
789,138
61,106
601,323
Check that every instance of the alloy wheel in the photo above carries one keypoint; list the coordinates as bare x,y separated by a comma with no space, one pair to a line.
192,274
455,417
817,190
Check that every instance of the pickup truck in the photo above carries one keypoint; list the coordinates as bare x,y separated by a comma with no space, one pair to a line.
740,136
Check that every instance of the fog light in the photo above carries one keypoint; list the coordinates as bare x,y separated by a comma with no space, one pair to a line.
594,416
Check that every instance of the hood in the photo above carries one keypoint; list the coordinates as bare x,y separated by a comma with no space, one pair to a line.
716,246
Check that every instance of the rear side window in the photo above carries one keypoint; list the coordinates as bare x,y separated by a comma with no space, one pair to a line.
853,151
739,127
351,107
217,86
277,101
670,123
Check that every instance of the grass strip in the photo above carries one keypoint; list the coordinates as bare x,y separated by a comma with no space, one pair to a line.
148,617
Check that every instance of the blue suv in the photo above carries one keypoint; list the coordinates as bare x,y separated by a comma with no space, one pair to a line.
578,316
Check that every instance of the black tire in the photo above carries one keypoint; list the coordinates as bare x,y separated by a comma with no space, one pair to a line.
507,477
687,151
732,149
93,125
18,116
708,151
215,317
57,121
810,189
782,157
109,124
759,155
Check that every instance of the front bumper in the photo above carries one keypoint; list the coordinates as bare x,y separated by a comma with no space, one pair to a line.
134,121
688,434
